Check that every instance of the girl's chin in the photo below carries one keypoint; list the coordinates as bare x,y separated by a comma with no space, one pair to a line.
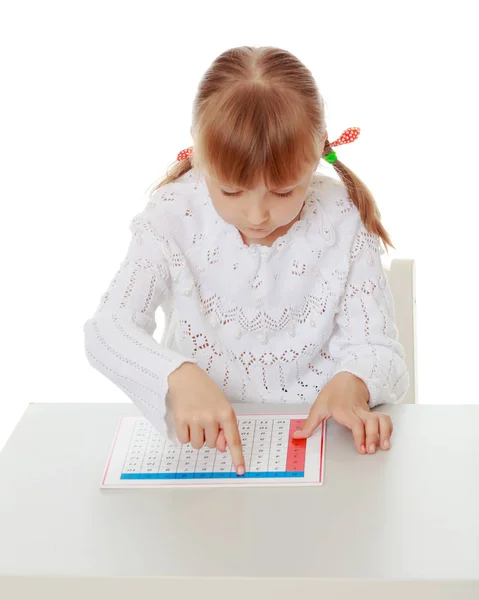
259,232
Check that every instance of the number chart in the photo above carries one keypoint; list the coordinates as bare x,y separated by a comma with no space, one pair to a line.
140,457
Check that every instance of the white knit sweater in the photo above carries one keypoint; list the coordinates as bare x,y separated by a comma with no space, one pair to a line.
268,324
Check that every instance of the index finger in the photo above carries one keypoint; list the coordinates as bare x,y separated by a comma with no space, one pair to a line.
233,439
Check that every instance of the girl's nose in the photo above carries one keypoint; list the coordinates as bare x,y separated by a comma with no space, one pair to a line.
257,216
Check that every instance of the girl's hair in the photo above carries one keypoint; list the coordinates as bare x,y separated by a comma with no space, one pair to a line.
258,114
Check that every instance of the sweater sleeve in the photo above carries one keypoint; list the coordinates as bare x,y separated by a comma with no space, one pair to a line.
118,338
364,341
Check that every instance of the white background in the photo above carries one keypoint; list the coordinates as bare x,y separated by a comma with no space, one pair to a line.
96,103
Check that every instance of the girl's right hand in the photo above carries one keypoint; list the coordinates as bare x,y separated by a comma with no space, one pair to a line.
201,410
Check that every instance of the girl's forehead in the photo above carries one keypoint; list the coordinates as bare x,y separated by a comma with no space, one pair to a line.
289,184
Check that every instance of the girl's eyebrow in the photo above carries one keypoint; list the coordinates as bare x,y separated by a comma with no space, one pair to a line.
276,190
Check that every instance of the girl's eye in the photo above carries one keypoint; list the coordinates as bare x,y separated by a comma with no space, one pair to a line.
238,193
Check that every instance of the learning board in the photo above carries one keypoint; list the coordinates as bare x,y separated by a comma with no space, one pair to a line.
140,457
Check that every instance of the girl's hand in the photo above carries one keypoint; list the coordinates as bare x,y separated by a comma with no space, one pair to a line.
202,413
345,398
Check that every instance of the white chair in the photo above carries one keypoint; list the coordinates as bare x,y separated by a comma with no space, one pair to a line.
402,280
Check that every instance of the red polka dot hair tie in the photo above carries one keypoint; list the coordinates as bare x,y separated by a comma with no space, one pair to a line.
348,136
184,153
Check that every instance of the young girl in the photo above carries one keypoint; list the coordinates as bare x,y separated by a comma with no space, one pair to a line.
269,273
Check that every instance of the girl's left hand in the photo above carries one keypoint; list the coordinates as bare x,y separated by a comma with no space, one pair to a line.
345,398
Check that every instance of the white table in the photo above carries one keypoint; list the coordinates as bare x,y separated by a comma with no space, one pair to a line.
382,526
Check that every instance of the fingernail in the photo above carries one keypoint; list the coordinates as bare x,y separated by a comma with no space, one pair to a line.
386,443
363,448
240,470
372,448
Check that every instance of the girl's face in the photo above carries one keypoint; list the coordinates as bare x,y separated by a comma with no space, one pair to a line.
261,215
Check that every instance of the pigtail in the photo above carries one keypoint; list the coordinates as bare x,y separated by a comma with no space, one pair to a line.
363,199
174,171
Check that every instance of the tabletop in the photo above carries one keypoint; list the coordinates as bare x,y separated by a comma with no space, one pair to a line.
409,515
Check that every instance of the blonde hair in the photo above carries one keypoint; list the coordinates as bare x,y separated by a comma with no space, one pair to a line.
258,114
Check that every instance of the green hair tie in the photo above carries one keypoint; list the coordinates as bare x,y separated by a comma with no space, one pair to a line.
331,157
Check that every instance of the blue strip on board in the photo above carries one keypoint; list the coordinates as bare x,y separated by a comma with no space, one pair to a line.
249,474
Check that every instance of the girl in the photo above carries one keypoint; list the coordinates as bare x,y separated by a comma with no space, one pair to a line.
269,273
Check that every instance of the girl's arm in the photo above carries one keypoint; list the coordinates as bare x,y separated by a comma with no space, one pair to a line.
118,338
365,339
